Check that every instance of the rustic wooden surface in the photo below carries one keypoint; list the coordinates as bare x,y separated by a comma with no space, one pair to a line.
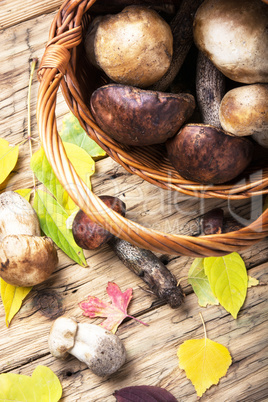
151,351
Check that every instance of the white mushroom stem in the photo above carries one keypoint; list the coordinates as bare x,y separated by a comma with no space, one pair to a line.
102,351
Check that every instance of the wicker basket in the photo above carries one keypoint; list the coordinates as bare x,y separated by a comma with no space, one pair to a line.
64,64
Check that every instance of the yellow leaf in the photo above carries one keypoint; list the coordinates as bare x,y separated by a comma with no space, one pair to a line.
228,280
25,193
204,362
252,282
12,297
8,159
200,284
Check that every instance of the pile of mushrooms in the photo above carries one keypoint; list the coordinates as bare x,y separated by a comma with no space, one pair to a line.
26,257
232,41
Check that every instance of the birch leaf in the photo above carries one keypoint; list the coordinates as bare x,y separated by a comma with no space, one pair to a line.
200,284
228,280
72,132
204,362
42,386
52,217
8,159
12,298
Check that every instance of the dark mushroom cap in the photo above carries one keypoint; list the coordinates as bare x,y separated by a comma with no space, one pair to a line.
205,154
139,117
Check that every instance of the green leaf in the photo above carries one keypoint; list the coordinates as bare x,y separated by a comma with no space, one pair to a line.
81,161
200,284
8,159
25,193
72,132
228,280
12,298
43,386
52,217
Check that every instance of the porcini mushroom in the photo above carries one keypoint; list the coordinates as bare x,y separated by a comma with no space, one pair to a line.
26,258
146,265
233,34
140,117
244,110
133,47
102,351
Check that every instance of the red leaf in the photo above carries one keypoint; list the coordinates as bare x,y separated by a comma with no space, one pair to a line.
115,312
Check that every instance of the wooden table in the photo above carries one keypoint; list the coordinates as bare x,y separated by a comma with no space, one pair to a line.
151,351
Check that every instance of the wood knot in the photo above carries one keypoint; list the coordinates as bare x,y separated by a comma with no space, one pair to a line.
49,303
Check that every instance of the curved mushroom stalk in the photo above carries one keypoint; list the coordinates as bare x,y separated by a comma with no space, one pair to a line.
102,351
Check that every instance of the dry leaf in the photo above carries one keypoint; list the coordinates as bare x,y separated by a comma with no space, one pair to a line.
8,159
115,312
12,297
42,386
204,362
228,279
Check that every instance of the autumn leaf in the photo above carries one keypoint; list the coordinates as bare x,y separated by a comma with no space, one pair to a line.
204,362
72,132
25,193
115,312
8,159
81,161
42,386
12,298
228,280
200,284
52,218
252,282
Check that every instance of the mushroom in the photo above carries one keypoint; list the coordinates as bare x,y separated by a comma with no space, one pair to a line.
133,47
140,117
244,110
102,351
26,258
146,265
234,35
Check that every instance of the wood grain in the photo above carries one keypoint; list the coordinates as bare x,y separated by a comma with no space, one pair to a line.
151,350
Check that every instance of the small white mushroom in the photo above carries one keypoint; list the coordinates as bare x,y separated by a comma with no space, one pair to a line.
26,258
102,351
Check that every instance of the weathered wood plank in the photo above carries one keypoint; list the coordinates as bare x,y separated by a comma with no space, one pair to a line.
15,12
152,352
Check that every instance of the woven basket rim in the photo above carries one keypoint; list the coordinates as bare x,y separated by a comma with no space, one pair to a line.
57,69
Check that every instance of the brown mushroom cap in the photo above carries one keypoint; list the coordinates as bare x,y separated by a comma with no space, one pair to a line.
140,117
205,154
244,110
133,47
27,260
234,35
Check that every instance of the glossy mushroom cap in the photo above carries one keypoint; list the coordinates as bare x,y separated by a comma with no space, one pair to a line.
134,116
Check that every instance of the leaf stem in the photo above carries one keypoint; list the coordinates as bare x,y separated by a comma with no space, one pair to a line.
202,319
33,66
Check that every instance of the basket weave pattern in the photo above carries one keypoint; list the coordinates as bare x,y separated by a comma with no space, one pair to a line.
60,63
